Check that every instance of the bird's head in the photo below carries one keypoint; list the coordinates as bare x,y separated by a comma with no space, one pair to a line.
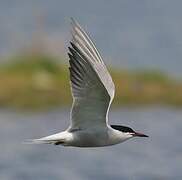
129,132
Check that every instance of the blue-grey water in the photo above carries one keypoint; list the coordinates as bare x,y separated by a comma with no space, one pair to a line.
156,158
132,34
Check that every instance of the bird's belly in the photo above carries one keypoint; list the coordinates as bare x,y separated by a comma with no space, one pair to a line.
93,139
86,140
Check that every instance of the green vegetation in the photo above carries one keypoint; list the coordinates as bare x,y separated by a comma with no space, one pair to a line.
38,81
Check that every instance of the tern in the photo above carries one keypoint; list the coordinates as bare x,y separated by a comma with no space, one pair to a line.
92,91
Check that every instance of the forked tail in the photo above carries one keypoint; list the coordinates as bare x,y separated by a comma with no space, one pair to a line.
56,139
42,141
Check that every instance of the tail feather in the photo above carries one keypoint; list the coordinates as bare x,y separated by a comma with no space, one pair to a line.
44,141
38,141
59,138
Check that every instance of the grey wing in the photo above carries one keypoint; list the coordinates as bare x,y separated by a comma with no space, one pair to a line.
91,84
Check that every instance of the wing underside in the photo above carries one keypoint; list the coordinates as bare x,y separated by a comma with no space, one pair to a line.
91,84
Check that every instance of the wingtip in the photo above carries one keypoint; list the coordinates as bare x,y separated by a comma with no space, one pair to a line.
72,19
73,22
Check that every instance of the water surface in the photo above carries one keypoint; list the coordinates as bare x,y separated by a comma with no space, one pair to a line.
157,157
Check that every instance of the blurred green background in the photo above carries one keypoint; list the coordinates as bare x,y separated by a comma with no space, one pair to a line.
38,80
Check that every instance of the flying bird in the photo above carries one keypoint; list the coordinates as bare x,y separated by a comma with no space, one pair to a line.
93,91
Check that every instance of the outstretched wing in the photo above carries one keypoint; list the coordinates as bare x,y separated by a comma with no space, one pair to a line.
91,84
